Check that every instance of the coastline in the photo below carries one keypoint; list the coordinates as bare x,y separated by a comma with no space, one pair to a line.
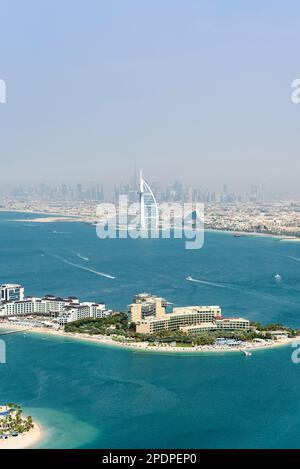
49,219
144,347
24,441
63,217
280,237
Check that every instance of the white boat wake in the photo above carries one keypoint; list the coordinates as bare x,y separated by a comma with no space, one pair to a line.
211,284
82,257
96,272
294,258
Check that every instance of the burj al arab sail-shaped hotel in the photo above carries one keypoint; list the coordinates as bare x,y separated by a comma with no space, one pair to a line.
149,216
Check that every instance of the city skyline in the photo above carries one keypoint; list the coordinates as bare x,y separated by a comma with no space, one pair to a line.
197,90
176,191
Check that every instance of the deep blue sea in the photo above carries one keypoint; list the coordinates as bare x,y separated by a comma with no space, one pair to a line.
95,396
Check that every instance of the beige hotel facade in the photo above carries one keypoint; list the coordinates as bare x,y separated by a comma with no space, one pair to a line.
149,314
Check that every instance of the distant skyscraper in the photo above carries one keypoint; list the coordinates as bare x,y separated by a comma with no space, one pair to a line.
189,195
79,191
254,193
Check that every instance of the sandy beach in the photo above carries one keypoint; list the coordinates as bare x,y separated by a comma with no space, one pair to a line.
48,219
280,237
145,347
27,440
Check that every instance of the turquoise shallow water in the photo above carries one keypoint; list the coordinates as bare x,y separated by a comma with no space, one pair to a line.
90,395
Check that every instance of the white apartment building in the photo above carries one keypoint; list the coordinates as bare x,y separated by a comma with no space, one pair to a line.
17,308
11,292
65,309
49,305
83,311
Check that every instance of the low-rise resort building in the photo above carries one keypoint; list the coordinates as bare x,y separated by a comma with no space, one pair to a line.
13,305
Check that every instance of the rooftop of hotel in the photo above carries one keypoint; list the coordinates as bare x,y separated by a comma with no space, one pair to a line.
196,326
231,319
181,311
10,285
177,312
188,309
147,296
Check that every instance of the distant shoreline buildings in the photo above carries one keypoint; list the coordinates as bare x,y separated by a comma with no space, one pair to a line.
254,210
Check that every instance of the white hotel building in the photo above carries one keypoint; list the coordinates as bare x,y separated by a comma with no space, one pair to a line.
82,311
11,292
63,309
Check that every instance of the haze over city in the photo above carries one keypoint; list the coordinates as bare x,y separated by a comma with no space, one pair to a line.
196,90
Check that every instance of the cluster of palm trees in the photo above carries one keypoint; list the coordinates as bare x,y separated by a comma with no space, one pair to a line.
14,421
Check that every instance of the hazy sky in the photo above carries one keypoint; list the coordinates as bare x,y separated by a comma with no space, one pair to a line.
192,90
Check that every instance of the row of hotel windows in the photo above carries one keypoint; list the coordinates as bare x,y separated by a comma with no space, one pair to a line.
173,323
